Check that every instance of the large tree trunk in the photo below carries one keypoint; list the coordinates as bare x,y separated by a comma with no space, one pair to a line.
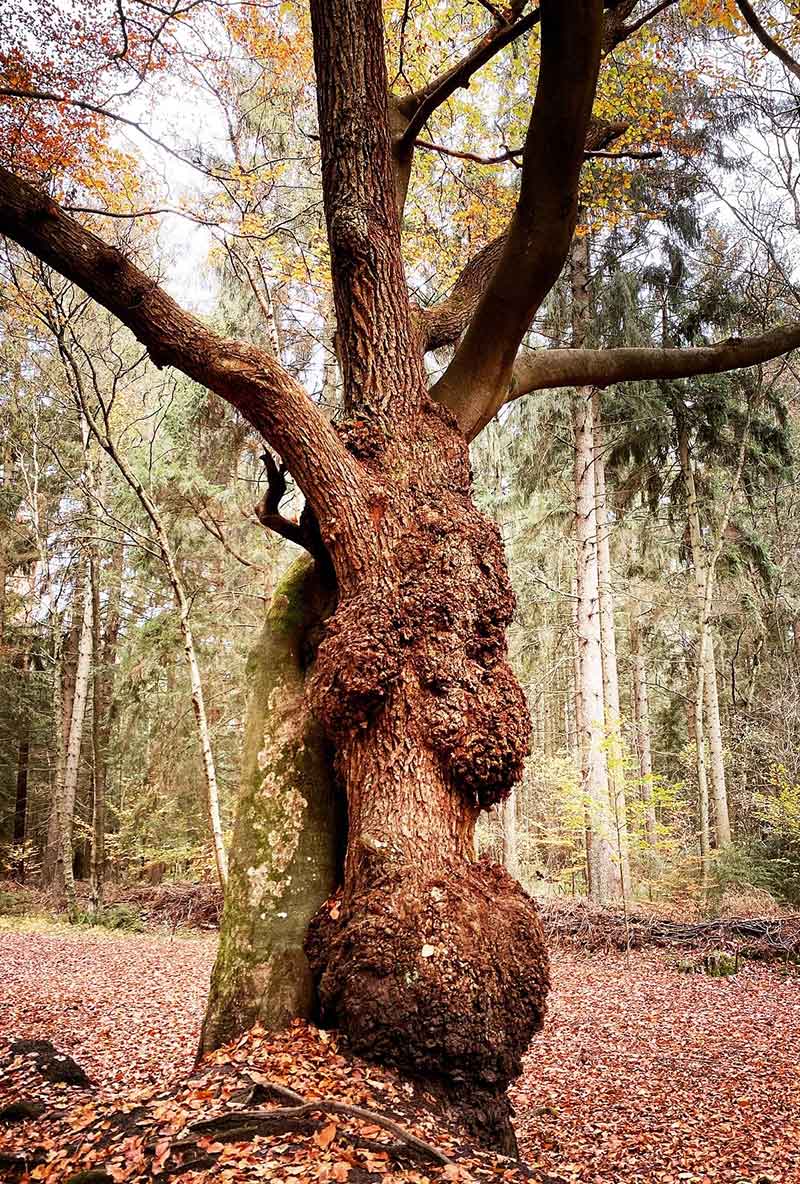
289,834
430,960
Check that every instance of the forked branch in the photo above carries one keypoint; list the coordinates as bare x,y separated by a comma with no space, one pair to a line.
541,229
419,106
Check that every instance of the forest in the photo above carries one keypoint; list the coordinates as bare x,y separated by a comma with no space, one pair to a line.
399,591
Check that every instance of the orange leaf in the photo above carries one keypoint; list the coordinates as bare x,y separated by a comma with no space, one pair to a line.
325,1137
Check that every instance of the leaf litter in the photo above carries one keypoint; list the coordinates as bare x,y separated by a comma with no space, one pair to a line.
642,1076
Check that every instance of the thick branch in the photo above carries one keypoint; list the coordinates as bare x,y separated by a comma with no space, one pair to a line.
766,39
443,323
550,368
375,338
544,220
249,379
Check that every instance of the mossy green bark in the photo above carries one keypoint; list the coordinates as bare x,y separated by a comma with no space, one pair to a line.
283,859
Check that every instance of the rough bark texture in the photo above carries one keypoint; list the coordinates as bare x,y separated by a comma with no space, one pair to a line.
428,725
283,860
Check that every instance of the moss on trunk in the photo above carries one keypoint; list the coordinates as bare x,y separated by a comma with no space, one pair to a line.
283,860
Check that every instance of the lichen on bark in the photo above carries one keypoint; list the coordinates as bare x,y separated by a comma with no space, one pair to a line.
285,850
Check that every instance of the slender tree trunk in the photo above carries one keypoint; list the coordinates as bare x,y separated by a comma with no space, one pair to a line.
700,758
707,684
604,878
103,711
67,667
641,713
182,603
21,799
68,762
21,795
616,771
510,834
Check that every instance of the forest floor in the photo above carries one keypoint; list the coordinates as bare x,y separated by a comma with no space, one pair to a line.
641,1075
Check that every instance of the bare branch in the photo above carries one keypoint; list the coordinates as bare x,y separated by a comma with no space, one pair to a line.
514,154
766,39
510,154
419,107
551,368
43,96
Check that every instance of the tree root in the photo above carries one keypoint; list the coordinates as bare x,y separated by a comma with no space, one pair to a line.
248,1123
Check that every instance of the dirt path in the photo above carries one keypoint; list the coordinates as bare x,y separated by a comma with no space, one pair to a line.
643,1075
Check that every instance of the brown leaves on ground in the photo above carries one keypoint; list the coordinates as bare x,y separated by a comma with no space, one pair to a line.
127,1009
647,1076
642,1076
110,1001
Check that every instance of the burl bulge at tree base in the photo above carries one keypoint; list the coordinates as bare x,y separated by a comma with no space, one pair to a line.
430,961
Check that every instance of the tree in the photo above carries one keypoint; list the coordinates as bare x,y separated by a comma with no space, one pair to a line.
429,959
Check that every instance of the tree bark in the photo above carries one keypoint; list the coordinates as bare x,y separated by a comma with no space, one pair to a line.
510,833
641,714
602,836
105,648
602,847
67,666
68,762
707,683
428,726
21,794
614,755
288,840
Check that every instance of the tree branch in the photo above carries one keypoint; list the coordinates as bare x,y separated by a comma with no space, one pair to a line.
95,109
246,377
552,368
766,39
419,106
541,229
443,323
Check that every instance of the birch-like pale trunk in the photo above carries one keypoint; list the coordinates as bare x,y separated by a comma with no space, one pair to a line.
641,718
182,604
604,877
69,767
510,834
614,757
707,681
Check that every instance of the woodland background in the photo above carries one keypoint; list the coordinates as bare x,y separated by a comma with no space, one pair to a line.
652,530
